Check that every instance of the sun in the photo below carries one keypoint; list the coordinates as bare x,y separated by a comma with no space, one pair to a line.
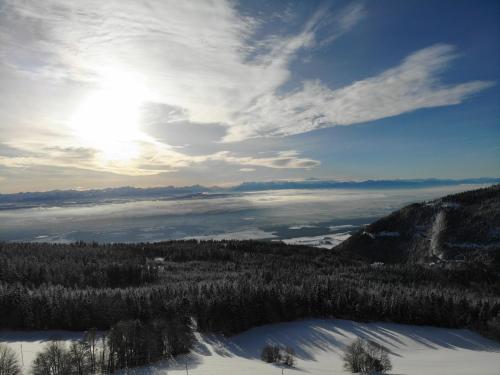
108,120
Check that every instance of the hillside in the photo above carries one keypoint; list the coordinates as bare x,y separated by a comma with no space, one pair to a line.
456,229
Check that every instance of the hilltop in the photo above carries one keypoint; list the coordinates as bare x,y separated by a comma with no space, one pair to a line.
458,228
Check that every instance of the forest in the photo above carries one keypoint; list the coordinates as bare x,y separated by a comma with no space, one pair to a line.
230,286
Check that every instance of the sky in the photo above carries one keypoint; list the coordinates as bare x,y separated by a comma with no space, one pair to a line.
163,92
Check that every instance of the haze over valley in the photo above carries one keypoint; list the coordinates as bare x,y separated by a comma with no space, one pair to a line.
317,217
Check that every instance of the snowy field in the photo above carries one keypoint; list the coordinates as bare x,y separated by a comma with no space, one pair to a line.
318,345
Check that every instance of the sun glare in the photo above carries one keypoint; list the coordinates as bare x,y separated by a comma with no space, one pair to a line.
108,119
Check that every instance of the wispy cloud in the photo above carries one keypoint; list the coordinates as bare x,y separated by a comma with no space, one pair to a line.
339,23
412,85
285,159
153,160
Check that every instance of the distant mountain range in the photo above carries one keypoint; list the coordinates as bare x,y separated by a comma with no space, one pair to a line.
367,184
28,199
458,228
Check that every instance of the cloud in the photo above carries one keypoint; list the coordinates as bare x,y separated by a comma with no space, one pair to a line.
412,85
191,54
281,160
199,56
154,159
196,58
198,62
339,23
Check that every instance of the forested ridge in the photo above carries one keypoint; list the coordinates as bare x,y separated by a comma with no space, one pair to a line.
230,286
458,227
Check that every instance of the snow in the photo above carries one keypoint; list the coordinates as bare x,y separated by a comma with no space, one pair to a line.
344,226
31,342
438,226
473,245
318,344
451,205
246,234
388,234
304,226
371,235
381,234
327,241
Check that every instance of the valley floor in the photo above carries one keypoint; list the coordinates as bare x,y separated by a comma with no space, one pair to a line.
318,345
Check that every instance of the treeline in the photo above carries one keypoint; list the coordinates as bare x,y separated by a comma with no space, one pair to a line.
127,344
77,265
476,196
231,286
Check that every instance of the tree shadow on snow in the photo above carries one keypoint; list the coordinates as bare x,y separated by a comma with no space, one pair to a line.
310,337
163,367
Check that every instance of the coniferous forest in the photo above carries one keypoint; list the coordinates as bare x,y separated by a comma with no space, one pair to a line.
230,286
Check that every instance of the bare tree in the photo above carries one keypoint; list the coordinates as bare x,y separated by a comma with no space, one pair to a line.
90,341
289,357
278,354
53,360
80,361
353,356
366,357
271,353
9,363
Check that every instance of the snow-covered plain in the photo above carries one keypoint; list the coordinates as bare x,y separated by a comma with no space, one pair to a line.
318,345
